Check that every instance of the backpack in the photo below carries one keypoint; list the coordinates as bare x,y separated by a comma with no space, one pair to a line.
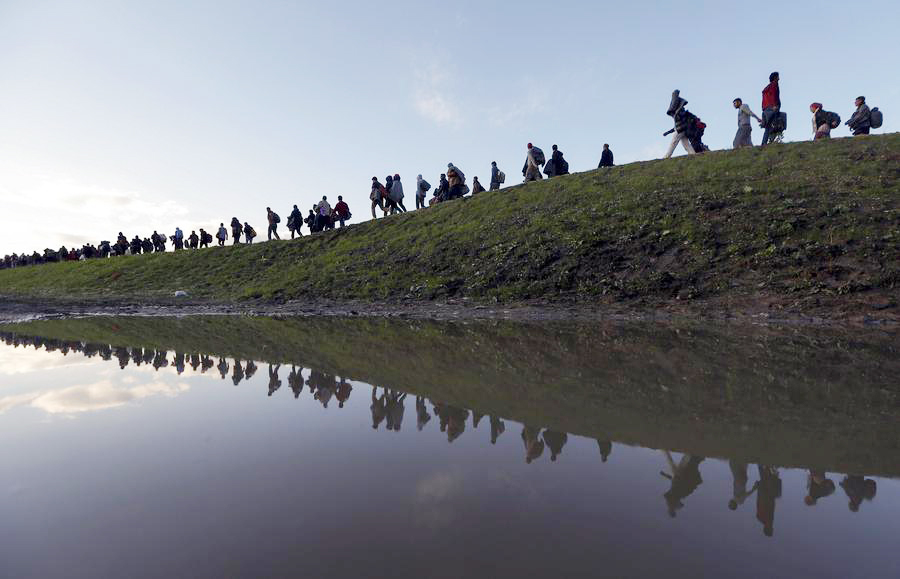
778,124
563,167
875,118
501,177
834,119
276,218
425,185
250,232
538,156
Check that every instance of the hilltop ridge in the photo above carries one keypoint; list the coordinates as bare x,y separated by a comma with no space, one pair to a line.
803,226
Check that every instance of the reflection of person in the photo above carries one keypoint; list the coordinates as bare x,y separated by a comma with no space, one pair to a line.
685,477
497,428
238,372
476,418
205,363
534,446
768,491
395,410
555,442
422,416
274,380
605,447
195,361
378,408
295,381
818,486
249,369
858,489
343,392
739,492
223,367
179,363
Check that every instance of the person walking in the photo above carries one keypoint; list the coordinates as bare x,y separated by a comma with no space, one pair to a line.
495,177
295,222
861,120
249,234
323,214
274,220
606,157
397,194
457,181
771,107
443,189
477,187
557,165
341,211
743,136
236,230
178,238
820,121
377,196
222,235
534,159
422,187
682,120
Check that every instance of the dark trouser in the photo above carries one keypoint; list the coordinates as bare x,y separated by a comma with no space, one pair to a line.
420,202
221,243
272,231
864,131
248,238
340,220
456,191
768,116
494,186
236,235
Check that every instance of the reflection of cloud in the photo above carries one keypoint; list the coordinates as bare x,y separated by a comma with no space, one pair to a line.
434,499
87,398
13,362
432,97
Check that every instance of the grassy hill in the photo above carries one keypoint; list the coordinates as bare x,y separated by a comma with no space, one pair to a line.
800,223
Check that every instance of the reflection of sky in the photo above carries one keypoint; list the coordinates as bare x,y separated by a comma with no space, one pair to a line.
191,475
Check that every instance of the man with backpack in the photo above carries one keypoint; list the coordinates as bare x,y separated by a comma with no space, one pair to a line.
204,242
341,210
743,136
771,107
377,195
294,222
222,234
534,160
193,240
236,230
606,157
684,121
249,233
497,177
477,187
456,180
178,239
557,165
443,189
861,121
422,187
823,121
274,220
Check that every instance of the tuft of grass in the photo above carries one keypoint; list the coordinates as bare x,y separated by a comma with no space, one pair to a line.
802,219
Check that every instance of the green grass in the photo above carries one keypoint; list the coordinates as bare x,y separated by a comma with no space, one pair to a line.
801,220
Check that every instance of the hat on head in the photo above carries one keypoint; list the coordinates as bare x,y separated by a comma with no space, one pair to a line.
530,145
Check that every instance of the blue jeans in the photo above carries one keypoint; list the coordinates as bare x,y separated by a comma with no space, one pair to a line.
768,116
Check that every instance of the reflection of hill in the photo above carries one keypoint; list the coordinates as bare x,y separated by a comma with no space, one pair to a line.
771,395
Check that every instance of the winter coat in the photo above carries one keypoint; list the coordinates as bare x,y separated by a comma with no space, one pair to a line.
861,119
397,191
453,177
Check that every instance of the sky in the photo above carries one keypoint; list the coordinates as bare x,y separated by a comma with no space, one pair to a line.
137,116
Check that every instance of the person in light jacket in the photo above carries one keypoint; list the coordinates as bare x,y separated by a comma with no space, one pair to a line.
397,194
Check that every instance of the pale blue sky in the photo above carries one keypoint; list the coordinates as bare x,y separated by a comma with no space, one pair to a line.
134,116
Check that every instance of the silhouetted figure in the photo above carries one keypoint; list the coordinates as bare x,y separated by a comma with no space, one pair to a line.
739,492
237,373
858,489
476,418
295,381
249,369
179,362
534,446
148,356
205,363
160,360
223,367
378,408
123,356
422,416
395,410
605,447
685,479
767,492
497,428
555,442
195,361
452,420
325,389
818,486
137,356
274,380
343,392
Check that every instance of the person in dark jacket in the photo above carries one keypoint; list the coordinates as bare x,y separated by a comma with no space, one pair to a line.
682,120
861,121
606,158
236,230
557,165
295,221
771,107
495,177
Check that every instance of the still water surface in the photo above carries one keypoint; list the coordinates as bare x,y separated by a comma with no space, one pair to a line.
223,447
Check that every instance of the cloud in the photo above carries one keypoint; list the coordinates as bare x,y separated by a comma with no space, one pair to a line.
100,395
530,100
435,499
433,98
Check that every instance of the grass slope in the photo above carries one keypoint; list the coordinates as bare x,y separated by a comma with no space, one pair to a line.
801,221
